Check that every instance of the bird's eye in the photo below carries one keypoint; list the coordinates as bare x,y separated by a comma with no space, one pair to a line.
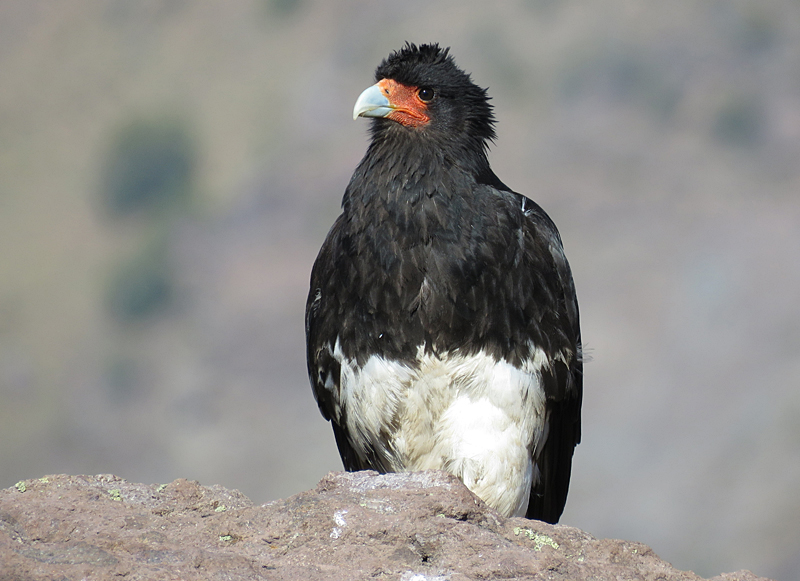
426,94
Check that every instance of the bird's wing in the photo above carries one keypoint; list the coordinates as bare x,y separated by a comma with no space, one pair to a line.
330,313
324,370
563,380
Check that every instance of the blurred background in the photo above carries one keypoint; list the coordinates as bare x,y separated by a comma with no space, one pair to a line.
169,169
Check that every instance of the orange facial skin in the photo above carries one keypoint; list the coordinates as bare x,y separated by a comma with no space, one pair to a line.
409,109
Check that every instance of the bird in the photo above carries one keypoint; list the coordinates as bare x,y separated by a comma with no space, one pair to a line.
442,324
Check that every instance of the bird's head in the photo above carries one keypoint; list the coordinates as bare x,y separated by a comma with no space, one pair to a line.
421,89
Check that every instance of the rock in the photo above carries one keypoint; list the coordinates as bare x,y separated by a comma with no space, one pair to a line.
422,526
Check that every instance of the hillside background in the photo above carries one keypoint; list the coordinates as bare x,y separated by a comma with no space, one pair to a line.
169,169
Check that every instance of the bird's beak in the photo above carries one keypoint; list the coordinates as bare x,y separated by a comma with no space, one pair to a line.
372,103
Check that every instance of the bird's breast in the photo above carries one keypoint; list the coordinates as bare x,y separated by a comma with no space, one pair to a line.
431,270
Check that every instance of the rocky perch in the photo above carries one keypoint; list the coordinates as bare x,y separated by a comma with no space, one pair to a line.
411,527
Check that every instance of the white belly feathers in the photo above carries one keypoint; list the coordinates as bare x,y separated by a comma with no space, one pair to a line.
480,419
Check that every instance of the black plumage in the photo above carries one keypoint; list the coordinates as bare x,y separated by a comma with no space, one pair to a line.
433,258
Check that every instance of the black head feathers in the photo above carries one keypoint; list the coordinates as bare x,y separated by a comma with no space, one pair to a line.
462,108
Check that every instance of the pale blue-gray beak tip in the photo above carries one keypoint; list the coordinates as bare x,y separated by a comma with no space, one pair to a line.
372,103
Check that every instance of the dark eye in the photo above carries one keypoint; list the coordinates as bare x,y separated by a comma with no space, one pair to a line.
426,94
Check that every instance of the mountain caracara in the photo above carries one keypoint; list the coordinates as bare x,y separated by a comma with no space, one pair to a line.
442,322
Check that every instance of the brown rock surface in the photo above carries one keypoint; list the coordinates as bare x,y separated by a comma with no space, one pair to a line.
411,527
